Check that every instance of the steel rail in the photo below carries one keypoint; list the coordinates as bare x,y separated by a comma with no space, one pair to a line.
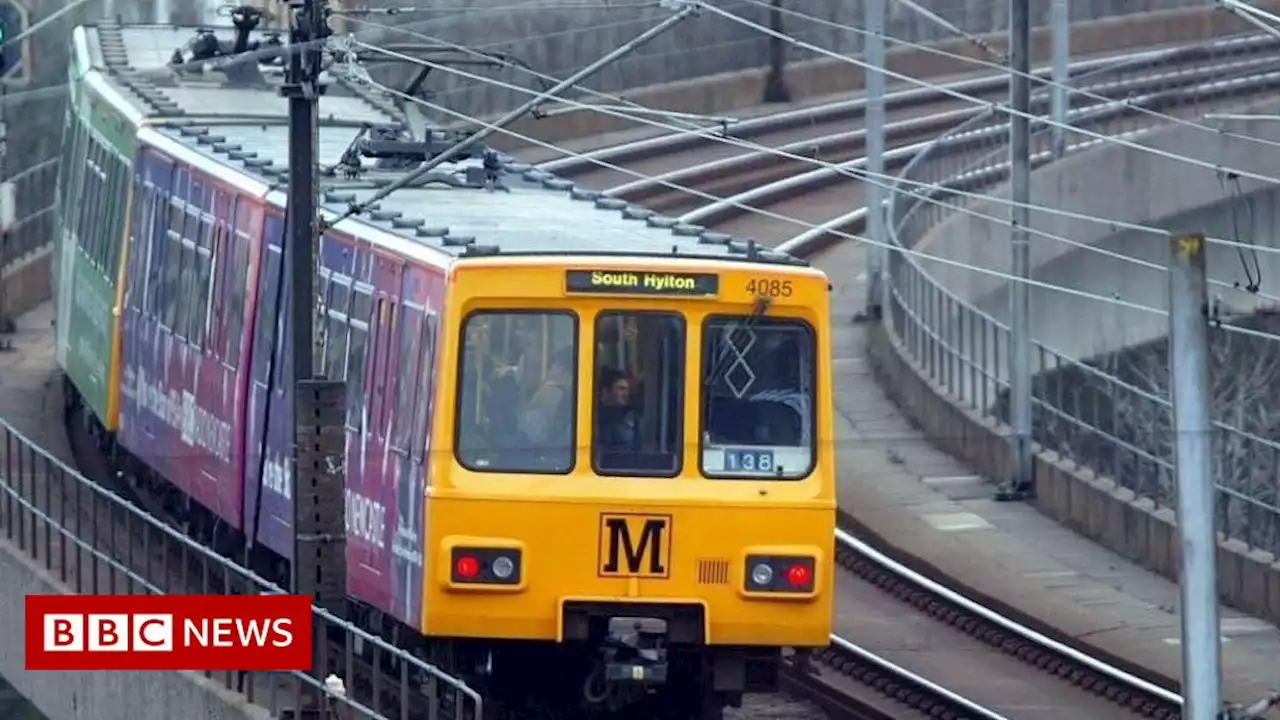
842,654
683,139
636,190
806,181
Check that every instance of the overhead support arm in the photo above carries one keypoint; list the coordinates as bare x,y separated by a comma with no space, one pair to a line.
686,9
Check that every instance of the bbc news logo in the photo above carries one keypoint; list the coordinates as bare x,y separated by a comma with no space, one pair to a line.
168,632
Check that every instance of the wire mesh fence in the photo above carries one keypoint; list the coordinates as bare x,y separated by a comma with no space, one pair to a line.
1100,392
93,541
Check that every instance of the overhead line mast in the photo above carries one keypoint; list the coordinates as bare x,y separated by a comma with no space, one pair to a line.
316,492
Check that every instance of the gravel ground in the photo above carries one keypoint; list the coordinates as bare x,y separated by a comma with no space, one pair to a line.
774,707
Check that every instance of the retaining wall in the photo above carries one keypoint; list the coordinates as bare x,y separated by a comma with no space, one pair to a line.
725,92
1123,184
101,695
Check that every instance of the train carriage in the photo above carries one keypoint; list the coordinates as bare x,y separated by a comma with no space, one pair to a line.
567,418
97,148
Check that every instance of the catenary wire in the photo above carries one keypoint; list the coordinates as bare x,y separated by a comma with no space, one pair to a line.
906,251
683,124
1241,330
355,76
1000,107
1002,222
884,180
1045,82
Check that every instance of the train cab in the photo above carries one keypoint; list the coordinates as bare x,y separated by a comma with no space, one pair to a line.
638,441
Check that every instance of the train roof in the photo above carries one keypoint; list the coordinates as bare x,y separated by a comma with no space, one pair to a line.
238,120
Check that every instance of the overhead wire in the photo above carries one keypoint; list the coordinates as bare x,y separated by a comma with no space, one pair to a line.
676,118
849,236
709,134
884,180
1002,108
866,176
1047,82
366,79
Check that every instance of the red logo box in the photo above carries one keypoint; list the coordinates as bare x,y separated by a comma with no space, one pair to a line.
168,632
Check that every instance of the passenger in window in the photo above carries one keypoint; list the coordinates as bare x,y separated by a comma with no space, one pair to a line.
616,419
546,419
524,357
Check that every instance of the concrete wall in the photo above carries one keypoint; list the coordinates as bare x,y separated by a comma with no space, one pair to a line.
101,695
1092,32
558,41
1125,185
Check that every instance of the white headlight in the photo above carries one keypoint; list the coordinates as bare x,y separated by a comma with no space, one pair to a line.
503,567
762,574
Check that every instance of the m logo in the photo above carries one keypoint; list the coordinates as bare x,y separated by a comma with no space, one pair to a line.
635,546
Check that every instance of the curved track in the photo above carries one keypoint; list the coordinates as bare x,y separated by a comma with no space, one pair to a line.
916,640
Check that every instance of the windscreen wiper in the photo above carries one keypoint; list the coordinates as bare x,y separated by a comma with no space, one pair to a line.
722,360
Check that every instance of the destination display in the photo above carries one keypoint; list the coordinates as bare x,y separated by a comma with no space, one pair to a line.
632,282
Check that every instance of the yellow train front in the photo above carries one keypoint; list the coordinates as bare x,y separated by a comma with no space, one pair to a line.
630,498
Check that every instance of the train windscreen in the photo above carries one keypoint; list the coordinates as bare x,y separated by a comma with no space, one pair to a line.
758,377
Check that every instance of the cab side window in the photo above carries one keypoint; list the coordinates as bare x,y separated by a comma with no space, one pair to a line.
517,392
638,407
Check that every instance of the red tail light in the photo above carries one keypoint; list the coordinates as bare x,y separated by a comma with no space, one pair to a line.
779,573
798,576
467,566
476,566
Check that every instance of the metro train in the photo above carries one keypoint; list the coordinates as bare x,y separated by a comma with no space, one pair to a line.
567,418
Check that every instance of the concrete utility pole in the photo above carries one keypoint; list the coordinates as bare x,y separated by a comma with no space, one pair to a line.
1060,28
319,567
775,83
1020,484
1189,391
302,88
877,252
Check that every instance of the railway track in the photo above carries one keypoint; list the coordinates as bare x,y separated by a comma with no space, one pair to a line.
791,180
735,184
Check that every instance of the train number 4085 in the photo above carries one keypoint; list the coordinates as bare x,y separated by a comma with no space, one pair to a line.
769,288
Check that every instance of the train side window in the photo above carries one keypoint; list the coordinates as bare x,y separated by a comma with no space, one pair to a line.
88,201
389,368
200,236
637,427
409,360
221,256
337,333
75,173
150,256
265,324
241,241
117,177
203,297
517,399
157,233
426,373
170,296
135,286
355,375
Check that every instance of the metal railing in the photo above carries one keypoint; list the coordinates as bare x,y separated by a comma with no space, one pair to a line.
1104,413
93,541
32,231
